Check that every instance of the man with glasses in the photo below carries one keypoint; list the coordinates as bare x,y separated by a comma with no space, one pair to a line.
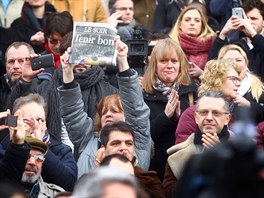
31,178
212,116
59,161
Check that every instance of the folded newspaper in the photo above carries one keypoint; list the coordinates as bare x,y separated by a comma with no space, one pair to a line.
93,44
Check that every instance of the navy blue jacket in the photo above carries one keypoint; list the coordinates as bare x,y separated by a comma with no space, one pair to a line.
59,167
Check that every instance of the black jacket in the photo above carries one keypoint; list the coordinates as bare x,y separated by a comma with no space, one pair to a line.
163,128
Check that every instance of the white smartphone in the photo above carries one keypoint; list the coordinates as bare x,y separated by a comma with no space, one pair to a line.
237,12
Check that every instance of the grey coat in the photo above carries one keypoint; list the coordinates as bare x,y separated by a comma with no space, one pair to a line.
79,125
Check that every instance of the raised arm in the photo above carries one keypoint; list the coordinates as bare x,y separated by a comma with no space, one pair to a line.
136,111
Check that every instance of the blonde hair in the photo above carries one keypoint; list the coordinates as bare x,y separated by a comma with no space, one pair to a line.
257,87
163,49
215,74
205,29
104,102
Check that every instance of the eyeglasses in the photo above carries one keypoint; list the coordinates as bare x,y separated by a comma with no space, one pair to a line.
215,113
20,61
37,157
234,79
54,41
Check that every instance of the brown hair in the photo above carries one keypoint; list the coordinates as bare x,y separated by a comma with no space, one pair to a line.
104,102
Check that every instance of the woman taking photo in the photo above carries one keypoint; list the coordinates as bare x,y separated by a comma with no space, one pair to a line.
168,91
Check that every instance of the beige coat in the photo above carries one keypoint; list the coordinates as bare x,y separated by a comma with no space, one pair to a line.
82,10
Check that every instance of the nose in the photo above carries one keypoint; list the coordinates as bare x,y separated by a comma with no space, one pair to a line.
209,116
108,113
123,147
16,64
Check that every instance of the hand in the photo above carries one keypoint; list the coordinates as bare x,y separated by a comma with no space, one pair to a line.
99,156
67,68
38,38
4,114
114,19
195,71
241,101
122,51
28,74
245,26
35,127
173,105
209,140
231,24
18,133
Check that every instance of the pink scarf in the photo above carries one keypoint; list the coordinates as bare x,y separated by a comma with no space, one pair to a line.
196,49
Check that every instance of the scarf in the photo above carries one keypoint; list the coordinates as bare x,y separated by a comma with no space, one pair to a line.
92,86
196,49
164,89
126,32
223,136
245,85
56,56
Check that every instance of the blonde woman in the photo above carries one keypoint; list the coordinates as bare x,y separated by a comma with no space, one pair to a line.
251,90
195,37
168,90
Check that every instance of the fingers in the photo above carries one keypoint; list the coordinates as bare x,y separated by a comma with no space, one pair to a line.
172,104
209,140
4,114
99,156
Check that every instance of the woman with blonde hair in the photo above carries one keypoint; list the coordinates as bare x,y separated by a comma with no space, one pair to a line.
218,75
195,37
251,90
168,90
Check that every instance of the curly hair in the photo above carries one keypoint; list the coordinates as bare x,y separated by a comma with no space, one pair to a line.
205,29
163,49
215,74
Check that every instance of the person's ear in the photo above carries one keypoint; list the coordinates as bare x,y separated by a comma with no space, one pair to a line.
228,118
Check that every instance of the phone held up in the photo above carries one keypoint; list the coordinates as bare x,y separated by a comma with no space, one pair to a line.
237,12
44,61
11,121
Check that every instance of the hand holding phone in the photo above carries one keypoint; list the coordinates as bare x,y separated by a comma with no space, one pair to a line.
238,12
44,61
11,121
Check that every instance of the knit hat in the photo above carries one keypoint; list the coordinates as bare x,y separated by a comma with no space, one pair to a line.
36,143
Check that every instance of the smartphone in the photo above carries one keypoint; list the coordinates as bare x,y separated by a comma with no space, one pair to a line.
44,61
237,12
11,121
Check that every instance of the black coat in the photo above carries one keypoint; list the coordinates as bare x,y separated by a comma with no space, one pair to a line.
163,128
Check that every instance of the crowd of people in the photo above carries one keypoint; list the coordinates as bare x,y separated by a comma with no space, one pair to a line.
143,128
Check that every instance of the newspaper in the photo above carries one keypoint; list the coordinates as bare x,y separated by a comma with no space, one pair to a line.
93,43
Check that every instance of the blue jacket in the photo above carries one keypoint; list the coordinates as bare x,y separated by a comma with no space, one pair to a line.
59,166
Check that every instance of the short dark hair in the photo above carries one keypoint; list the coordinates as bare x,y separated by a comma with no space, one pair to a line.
115,126
107,159
249,5
61,23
